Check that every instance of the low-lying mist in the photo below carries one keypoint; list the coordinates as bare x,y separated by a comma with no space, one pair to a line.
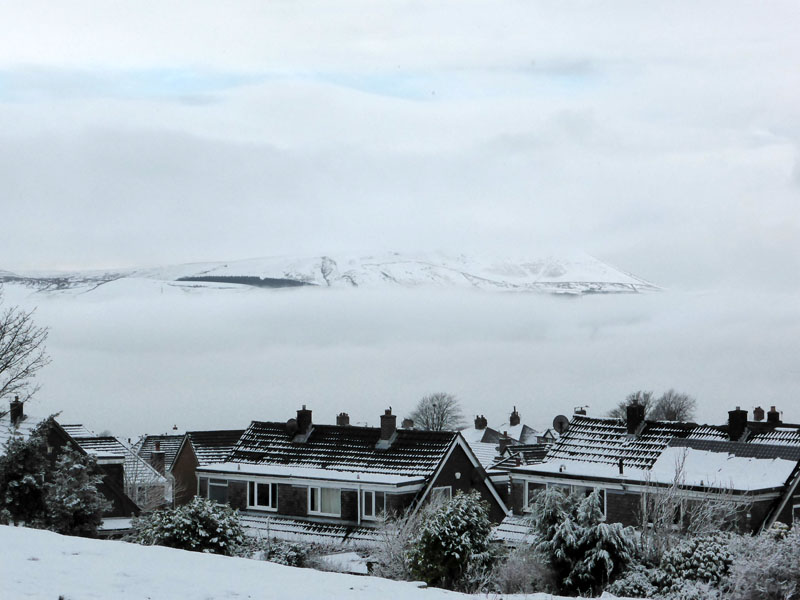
138,357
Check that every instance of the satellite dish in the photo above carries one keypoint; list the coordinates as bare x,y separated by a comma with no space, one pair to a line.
561,423
291,426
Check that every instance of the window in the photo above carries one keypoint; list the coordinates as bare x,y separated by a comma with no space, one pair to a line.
530,492
441,494
371,504
325,501
218,490
262,495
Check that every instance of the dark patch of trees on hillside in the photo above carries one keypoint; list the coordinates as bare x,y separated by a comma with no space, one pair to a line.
265,282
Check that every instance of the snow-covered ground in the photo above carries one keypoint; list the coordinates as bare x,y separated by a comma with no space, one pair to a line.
42,564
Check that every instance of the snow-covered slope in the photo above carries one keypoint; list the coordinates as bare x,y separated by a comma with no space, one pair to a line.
578,275
41,565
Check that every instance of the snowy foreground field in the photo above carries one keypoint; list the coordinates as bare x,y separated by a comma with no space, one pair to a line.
42,564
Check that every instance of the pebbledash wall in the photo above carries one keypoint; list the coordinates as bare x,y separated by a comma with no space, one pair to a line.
457,473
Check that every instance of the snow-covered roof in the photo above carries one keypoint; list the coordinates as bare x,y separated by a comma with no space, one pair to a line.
513,529
299,472
606,441
411,453
706,468
136,470
260,525
485,453
168,444
22,429
211,447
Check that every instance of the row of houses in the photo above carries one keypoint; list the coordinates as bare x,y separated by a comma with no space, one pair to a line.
301,480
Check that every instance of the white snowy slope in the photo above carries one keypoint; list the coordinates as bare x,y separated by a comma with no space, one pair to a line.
41,565
575,275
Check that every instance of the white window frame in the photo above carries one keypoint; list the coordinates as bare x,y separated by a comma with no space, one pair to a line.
378,511
319,496
273,500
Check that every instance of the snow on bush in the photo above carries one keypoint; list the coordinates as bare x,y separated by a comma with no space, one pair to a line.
586,552
452,542
765,567
635,583
201,525
706,559
523,571
74,505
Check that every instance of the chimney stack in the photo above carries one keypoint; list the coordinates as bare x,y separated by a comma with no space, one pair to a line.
343,419
16,412
408,423
737,423
504,442
773,416
635,413
388,424
480,422
514,419
303,421
758,414
158,458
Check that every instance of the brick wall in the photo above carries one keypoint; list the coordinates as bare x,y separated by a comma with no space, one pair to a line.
623,507
183,471
237,494
292,500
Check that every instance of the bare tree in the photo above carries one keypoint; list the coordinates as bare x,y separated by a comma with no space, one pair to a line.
22,352
670,512
669,406
438,412
674,406
645,398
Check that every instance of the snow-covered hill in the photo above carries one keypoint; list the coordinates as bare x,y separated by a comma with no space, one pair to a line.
41,565
578,275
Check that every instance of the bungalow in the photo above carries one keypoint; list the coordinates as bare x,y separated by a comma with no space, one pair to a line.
301,479
753,464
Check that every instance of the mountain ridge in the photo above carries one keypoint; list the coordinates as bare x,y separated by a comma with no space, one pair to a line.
578,275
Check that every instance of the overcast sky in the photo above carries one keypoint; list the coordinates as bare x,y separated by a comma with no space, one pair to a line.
661,137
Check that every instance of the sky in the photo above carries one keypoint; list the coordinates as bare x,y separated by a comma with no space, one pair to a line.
660,137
